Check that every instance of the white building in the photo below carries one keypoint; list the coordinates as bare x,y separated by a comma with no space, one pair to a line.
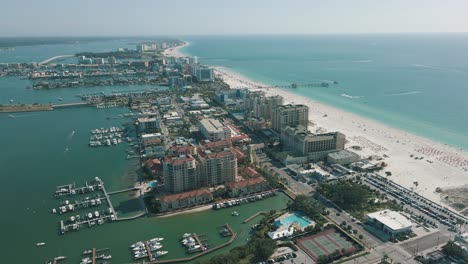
390,222
214,130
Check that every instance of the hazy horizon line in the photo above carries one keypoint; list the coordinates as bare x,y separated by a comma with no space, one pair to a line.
233,34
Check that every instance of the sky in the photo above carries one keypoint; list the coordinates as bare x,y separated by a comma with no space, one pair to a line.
228,17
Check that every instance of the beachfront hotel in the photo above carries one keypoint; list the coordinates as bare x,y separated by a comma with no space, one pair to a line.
314,146
289,115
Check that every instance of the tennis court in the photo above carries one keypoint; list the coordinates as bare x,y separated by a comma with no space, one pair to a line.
325,244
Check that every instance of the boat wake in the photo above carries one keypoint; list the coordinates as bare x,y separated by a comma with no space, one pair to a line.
70,136
436,68
407,93
351,96
15,116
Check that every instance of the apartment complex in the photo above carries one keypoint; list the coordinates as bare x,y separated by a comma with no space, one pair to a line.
289,115
180,173
206,168
215,168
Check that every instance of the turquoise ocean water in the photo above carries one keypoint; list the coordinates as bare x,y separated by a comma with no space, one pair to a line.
418,83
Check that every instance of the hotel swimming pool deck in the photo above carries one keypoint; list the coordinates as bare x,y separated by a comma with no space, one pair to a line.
290,218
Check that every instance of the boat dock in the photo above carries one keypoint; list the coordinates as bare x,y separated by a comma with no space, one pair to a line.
148,249
231,239
106,195
94,256
253,216
124,190
199,242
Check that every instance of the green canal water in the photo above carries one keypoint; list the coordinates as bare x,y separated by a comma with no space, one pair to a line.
44,149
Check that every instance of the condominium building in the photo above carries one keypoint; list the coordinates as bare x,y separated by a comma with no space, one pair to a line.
149,124
263,106
214,130
216,168
289,115
180,173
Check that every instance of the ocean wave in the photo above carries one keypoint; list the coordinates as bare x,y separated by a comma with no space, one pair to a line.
406,93
351,96
363,61
436,68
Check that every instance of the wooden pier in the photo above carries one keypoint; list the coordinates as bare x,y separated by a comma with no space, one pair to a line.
234,234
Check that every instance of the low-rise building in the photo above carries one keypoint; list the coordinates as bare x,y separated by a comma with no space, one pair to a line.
185,200
246,187
390,222
342,157
151,139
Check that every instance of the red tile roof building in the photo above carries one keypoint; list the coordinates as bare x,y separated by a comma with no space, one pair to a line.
246,187
185,199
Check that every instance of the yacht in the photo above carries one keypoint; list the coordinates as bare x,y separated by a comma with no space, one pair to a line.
235,213
40,244
155,247
157,239
186,235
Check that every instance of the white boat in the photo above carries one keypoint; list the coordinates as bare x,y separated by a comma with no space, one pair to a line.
54,211
86,261
186,235
96,214
90,215
40,244
157,239
160,253
137,244
155,247
107,257
235,213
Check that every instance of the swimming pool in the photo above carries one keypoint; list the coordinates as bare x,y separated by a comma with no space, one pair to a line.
286,220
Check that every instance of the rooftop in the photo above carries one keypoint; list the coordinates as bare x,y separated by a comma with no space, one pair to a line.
342,154
212,125
391,219
185,195
245,183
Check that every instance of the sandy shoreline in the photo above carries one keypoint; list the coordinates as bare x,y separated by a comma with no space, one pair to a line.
442,166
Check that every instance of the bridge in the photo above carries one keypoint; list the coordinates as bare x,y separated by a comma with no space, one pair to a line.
56,58
70,105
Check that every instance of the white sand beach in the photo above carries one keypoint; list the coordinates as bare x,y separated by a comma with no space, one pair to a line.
175,52
441,166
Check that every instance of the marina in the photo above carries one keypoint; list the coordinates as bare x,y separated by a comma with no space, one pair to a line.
148,249
243,200
90,219
94,257
106,137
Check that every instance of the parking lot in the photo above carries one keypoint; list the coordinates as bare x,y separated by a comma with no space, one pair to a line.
424,211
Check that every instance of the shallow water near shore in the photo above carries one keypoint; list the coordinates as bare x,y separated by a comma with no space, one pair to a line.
416,83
